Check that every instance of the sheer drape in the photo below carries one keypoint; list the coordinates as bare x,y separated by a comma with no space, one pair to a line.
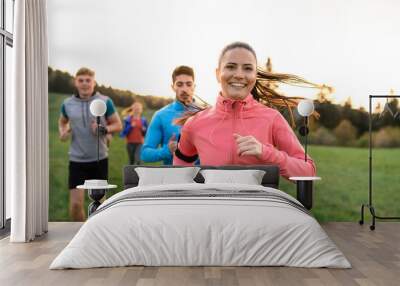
27,123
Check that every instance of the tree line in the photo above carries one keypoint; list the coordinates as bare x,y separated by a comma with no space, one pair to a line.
337,124
342,125
332,114
62,82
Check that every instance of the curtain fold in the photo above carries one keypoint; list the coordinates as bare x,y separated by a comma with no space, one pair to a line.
28,128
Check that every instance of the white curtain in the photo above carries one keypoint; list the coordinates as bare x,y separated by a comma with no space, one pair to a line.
27,124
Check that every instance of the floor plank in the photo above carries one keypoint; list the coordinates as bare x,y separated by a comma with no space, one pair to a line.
374,255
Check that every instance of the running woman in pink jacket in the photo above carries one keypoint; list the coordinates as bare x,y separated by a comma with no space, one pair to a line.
239,130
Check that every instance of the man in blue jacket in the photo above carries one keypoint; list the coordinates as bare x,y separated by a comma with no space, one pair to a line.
162,135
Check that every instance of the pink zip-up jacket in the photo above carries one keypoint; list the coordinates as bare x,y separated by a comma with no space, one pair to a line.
209,134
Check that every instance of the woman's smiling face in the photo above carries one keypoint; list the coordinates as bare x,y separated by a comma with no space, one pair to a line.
237,73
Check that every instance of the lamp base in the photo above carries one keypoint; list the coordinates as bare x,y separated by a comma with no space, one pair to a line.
96,195
305,190
305,193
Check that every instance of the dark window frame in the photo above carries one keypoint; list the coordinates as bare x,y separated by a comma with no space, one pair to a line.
6,39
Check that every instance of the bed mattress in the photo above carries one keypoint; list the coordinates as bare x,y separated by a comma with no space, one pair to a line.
201,225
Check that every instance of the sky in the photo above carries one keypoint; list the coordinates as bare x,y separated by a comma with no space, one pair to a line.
352,45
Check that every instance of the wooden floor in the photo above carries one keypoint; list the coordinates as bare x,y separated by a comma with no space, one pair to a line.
374,255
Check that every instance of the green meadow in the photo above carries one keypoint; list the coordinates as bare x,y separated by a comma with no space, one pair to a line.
338,196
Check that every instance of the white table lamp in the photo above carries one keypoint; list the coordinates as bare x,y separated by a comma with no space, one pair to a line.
98,108
305,108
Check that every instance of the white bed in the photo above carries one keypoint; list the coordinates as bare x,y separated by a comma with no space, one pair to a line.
224,225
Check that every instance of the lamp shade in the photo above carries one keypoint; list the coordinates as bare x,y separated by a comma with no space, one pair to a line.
98,107
305,107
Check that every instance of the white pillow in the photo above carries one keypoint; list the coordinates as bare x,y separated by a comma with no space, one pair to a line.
166,176
250,177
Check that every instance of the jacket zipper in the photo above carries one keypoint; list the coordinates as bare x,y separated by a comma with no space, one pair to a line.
233,131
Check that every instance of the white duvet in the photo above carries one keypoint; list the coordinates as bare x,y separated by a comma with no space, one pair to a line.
183,231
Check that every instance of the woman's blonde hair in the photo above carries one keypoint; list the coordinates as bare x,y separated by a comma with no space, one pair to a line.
263,93
129,110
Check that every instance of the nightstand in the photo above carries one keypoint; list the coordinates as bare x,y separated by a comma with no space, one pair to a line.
96,191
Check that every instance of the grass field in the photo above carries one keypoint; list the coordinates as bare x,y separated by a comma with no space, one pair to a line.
338,196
